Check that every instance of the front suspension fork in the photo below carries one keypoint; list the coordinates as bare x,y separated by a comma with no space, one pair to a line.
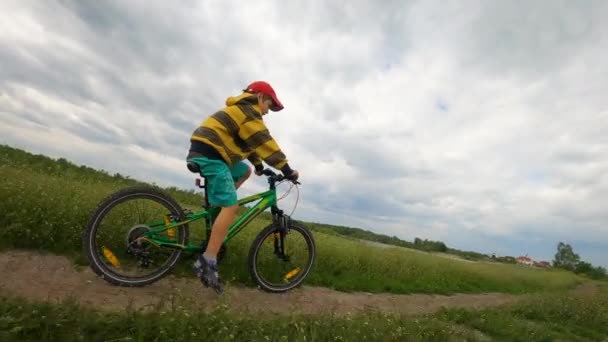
283,222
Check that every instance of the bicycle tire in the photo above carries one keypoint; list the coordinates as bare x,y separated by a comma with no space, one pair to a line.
90,246
255,248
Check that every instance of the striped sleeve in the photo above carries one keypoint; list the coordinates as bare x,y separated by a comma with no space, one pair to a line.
258,138
256,161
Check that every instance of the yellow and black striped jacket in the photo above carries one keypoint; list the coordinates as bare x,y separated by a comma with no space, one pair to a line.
238,132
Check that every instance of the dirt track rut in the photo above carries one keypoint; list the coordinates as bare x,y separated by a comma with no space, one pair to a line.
54,278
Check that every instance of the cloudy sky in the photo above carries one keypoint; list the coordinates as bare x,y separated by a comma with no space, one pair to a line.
479,123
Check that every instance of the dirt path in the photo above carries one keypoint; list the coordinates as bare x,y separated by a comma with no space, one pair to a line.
54,278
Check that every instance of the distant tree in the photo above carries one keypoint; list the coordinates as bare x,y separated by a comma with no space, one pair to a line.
441,247
565,257
583,267
588,269
509,259
598,273
417,241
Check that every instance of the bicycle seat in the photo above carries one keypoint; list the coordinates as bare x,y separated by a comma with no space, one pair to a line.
193,167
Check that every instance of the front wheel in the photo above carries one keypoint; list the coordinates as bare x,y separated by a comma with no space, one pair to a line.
280,259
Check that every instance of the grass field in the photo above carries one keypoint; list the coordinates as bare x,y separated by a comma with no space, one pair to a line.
554,317
46,204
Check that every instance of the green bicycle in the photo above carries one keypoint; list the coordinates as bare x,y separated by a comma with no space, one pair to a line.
137,235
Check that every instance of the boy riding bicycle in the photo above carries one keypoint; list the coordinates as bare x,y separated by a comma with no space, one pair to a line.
219,146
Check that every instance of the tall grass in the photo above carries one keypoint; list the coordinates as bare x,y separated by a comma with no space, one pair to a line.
557,317
46,204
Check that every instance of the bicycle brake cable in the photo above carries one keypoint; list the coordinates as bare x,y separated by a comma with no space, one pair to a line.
288,192
297,198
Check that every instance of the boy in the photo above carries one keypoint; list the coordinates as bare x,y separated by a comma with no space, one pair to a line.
218,146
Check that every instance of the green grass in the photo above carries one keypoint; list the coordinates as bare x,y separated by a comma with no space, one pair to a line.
541,318
358,266
46,204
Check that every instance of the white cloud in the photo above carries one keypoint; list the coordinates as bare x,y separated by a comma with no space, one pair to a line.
482,124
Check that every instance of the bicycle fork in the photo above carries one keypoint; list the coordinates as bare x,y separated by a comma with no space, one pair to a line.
283,223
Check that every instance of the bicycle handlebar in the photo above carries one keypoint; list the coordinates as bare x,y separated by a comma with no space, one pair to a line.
277,178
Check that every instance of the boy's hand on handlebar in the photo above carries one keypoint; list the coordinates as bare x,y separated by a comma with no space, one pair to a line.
267,172
293,176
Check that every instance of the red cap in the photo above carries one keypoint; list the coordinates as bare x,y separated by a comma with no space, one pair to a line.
265,88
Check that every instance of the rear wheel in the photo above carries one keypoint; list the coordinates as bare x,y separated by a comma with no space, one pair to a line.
280,261
114,240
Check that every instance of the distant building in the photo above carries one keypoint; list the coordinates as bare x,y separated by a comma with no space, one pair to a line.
524,260
543,264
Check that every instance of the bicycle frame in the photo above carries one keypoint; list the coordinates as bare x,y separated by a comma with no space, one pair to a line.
266,199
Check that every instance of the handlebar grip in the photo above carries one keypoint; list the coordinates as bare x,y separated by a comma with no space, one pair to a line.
268,172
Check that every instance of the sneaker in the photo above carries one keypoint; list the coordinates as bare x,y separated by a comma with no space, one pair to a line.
208,274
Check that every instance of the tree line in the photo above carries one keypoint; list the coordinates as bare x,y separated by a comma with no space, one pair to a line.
566,259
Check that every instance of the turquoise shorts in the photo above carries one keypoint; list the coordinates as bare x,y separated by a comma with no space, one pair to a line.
220,180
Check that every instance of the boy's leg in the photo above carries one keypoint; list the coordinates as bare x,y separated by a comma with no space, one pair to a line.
241,180
220,230
221,192
239,172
